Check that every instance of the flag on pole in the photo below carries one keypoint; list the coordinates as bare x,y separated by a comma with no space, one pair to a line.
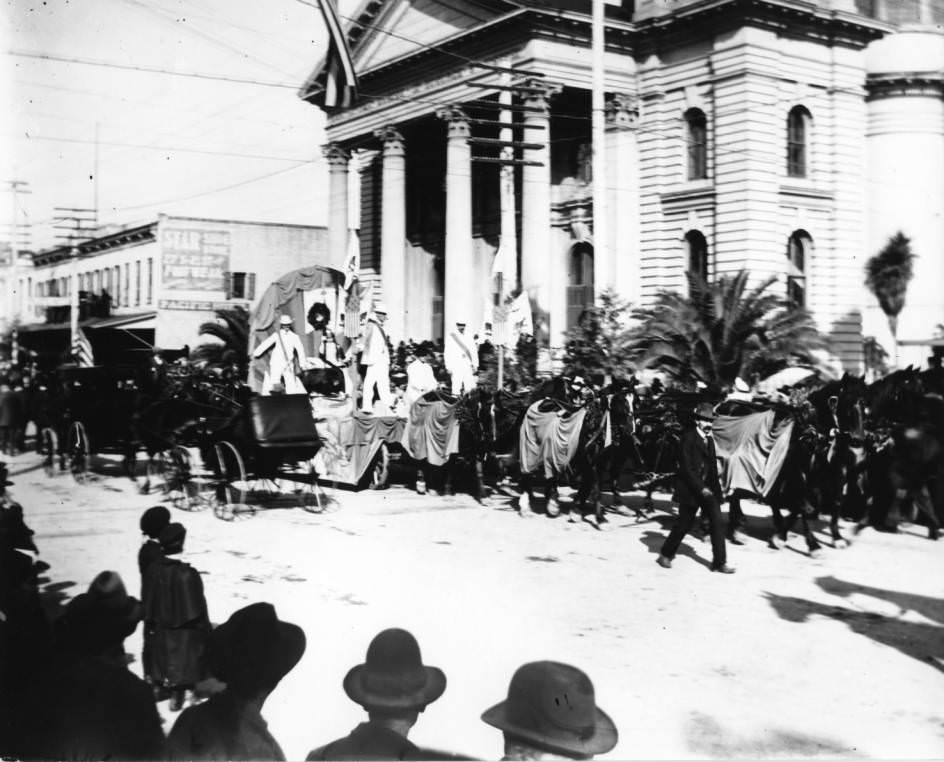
82,350
341,83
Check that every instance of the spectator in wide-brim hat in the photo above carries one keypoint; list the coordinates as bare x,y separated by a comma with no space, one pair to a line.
153,521
394,686
551,710
85,703
251,652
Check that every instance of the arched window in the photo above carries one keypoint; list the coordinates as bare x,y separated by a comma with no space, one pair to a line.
696,137
579,283
799,249
799,123
697,253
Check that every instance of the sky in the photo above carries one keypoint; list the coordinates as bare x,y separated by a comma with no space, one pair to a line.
173,144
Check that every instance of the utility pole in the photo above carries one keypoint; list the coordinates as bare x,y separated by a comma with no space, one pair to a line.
17,187
598,105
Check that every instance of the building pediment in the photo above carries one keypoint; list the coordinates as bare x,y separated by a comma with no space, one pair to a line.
403,27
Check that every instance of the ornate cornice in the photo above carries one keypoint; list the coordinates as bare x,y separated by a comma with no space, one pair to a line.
904,84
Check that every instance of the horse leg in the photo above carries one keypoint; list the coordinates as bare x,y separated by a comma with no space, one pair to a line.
553,505
478,488
735,519
145,488
923,504
779,538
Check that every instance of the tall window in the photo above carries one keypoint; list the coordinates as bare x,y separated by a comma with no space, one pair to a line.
697,253
150,280
799,122
799,248
696,135
137,283
126,284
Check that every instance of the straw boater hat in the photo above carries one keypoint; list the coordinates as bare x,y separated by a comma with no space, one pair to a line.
380,308
254,649
705,411
393,676
552,706
740,385
285,320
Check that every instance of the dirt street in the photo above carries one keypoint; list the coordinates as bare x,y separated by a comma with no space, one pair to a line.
789,657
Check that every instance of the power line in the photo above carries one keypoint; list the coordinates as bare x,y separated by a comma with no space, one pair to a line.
148,69
152,147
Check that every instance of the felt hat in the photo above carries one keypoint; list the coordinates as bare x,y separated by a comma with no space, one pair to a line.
172,538
393,676
153,520
255,649
285,320
104,615
705,411
380,308
552,706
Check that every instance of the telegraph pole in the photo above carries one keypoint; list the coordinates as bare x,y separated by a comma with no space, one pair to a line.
598,104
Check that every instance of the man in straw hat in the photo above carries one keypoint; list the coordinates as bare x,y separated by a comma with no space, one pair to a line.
376,357
85,703
251,652
698,486
551,713
288,356
394,686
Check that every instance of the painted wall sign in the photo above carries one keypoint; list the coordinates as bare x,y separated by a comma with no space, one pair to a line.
194,260
198,306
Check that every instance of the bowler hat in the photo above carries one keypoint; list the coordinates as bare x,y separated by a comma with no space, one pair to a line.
172,538
705,411
153,520
104,615
393,675
254,648
552,706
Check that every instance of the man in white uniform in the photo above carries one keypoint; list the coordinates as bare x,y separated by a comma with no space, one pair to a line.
285,346
376,356
420,378
461,359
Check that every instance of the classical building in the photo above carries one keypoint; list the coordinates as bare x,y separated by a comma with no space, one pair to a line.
154,284
737,133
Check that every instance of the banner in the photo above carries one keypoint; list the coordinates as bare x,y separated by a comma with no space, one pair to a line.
194,260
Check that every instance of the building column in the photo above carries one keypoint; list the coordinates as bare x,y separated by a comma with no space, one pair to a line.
460,291
338,159
393,231
622,270
541,273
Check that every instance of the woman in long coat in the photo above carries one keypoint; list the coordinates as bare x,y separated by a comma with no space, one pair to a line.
177,624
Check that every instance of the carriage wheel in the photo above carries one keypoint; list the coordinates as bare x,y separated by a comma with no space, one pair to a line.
378,475
80,455
230,499
49,447
174,467
315,499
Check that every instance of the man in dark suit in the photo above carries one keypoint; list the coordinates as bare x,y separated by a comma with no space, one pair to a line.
697,486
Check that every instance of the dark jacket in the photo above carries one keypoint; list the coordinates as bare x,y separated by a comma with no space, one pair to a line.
697,468
88,707
369,741
176,623
10,409
223,728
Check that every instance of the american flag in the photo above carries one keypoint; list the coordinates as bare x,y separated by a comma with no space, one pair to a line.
82,350
341,83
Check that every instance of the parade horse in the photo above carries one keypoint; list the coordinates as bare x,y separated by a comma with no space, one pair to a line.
770,464
563,440
906,459
835,479
446,438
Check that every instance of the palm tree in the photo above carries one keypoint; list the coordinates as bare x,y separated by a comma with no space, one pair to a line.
722,331
598,344
231,329
887,275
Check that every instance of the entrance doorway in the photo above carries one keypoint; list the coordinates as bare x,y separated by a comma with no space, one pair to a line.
579,283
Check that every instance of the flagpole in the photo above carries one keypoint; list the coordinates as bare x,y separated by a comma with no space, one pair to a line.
74,300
